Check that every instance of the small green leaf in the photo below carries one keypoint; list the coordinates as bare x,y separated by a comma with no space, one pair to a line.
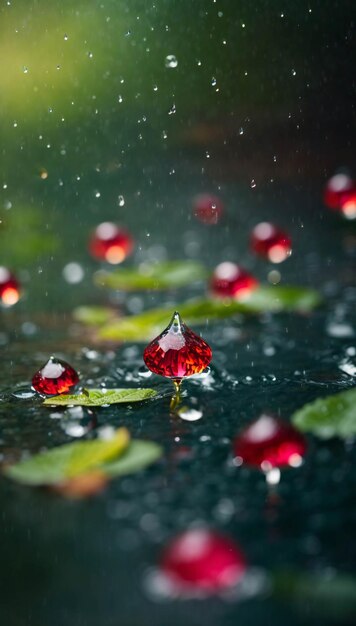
168,275
93,315
99,397
334,416
58,464
138,455
288,298
147,325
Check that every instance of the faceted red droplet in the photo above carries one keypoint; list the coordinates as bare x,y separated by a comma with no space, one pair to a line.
271,242
202,559
270,442
55,377
9,288
336,188
177,352
110,243
208,208
232,281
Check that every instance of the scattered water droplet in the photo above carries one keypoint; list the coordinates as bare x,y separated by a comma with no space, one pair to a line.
121,200
73,273
171,61
189,415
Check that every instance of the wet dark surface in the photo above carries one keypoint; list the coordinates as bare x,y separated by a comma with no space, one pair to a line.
87,563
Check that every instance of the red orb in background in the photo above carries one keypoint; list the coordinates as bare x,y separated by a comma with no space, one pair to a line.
177,352
269,241
232,281
270,442
204,560
9,288
348,205
208,208
336,190
55,377
110,243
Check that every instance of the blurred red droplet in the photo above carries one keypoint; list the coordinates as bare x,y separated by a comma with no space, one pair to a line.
55,377
337,187
110,243
232,281
202,559
271,242
9,288
348,205
270,442
208,208
177,352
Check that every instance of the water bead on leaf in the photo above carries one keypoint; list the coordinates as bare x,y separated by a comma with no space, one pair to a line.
55,377
9,288
110,243
177,352
337,187
270,442
271,242
203,560
231,281
208,208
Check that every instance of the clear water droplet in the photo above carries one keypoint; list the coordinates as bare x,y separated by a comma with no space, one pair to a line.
189,414
171,61
121,200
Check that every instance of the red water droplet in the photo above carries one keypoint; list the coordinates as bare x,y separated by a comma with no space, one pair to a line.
271,242
348,205
177,352
270,442
336,188
110,243
232,281
208,208
9,288
55,377
202,559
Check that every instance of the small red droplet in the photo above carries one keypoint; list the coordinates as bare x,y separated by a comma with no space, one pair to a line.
208,208
55,377
110,243
232,281
271,242
202,559
177,352
9,288
336,188
270,442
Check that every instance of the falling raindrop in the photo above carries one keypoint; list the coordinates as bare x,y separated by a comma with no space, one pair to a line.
121,200
171,61
189,414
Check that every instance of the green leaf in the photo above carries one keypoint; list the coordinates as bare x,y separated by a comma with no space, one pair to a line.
280,298
334,416
147,325
93,315
138,455
100,397
168,275
58,464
